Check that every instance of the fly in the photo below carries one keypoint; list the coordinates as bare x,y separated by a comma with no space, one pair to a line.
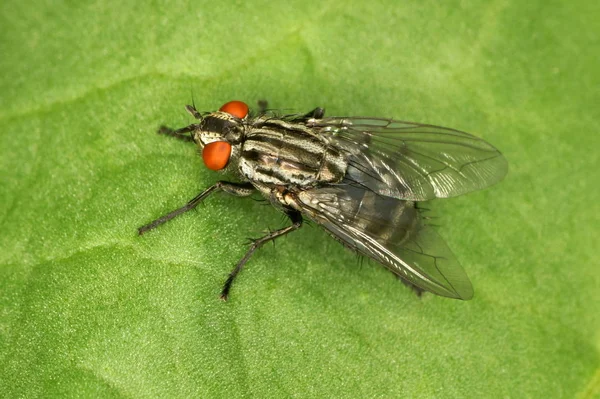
358,178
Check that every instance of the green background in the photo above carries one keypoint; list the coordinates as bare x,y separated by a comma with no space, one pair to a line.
88,308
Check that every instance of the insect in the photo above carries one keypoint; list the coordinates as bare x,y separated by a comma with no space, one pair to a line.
358,178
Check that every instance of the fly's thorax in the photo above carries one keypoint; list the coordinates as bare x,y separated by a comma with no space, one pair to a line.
279,152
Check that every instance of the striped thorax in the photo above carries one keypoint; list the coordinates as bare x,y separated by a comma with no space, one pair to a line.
272,151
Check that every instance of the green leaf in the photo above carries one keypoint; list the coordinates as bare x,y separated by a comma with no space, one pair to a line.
90,309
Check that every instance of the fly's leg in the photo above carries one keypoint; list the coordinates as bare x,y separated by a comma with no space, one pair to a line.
296,219
263,105
417,290
179,134
193,111
317,113
237,189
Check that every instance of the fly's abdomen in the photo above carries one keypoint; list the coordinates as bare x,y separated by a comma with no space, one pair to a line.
388,219
285,154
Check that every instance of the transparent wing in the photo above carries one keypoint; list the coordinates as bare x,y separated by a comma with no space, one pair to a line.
413,161
391,232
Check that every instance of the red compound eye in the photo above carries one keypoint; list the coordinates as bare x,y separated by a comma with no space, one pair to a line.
238,109
216,154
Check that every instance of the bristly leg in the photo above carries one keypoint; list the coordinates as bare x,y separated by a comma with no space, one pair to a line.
317,113
191,109
296,219
237,189
263,106
179,134
418,291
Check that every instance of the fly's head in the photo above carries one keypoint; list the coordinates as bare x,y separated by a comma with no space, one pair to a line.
220,134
